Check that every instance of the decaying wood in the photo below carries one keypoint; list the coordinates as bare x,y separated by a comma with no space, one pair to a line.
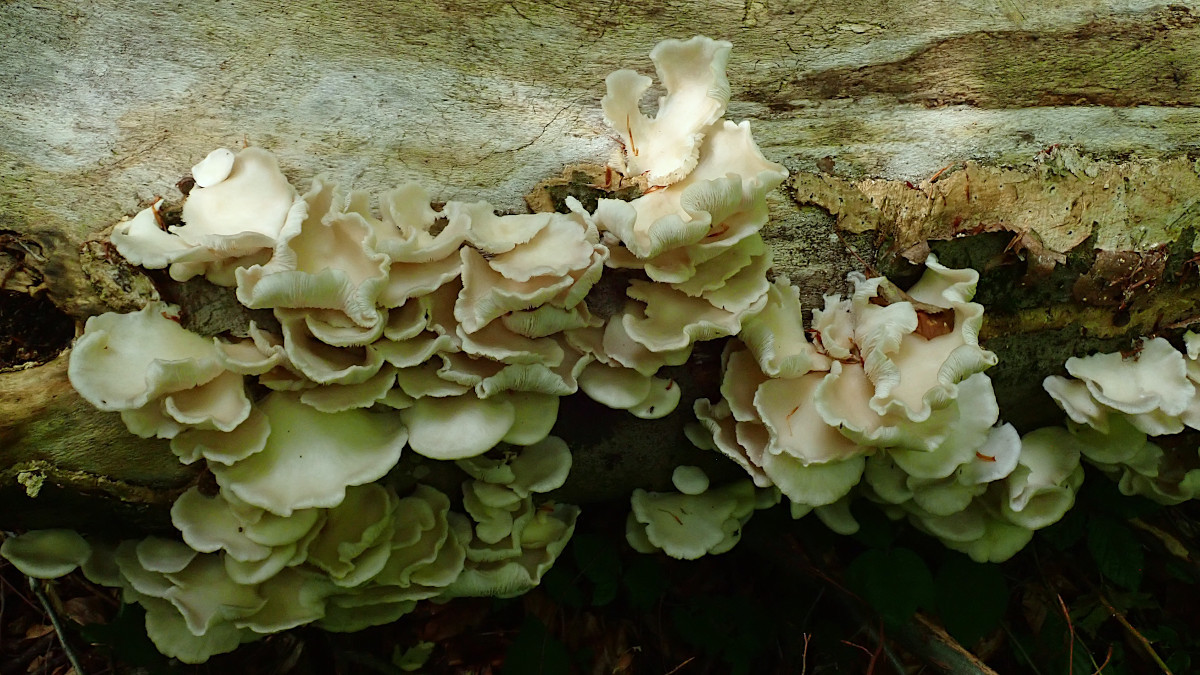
923,125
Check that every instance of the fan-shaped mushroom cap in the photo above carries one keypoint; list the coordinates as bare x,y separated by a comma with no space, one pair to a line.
46,554
1151,389
723,198
354,541
311,457
540,467
325,261
1042,488
515,564
115,347
776,336
234,214
689,526
666,148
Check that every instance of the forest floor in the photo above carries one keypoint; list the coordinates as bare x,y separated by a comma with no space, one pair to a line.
1112,590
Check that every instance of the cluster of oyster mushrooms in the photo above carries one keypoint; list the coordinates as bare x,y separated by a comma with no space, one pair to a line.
889,402
451,332
1116,402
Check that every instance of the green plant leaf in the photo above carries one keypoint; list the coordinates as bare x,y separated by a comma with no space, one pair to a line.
536,652
1066,532
600,563
645,582
1116,550
126,636
1105,497
896,582
971,598
562,587
875,530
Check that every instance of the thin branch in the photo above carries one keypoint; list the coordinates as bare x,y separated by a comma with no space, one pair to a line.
1136,635
1071,631
36,586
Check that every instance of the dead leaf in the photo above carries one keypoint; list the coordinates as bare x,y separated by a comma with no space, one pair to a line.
38,631
84,611
935,324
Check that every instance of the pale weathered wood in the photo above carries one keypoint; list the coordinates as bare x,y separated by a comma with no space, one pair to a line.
105,105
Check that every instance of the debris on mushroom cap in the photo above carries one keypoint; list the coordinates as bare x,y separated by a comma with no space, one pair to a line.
46,554
236,211
690,524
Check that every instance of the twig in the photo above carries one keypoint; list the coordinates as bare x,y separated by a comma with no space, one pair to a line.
1106,660
40,592
1071,631
804,655
1137,635
676,668
941,171
1017,644
1169,541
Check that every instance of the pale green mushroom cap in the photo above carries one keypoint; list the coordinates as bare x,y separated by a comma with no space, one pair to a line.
516,564
353,543
311,457
46,554
540,467
689,526
171,358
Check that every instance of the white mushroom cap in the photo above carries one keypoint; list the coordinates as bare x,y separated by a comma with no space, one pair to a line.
776,336
666,148
326,260
1154,378
114,346
540,467
214,168
457,427
406,232
689,480
353,543
142,242
242,212
626,389
1043,486
723,200
46,554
